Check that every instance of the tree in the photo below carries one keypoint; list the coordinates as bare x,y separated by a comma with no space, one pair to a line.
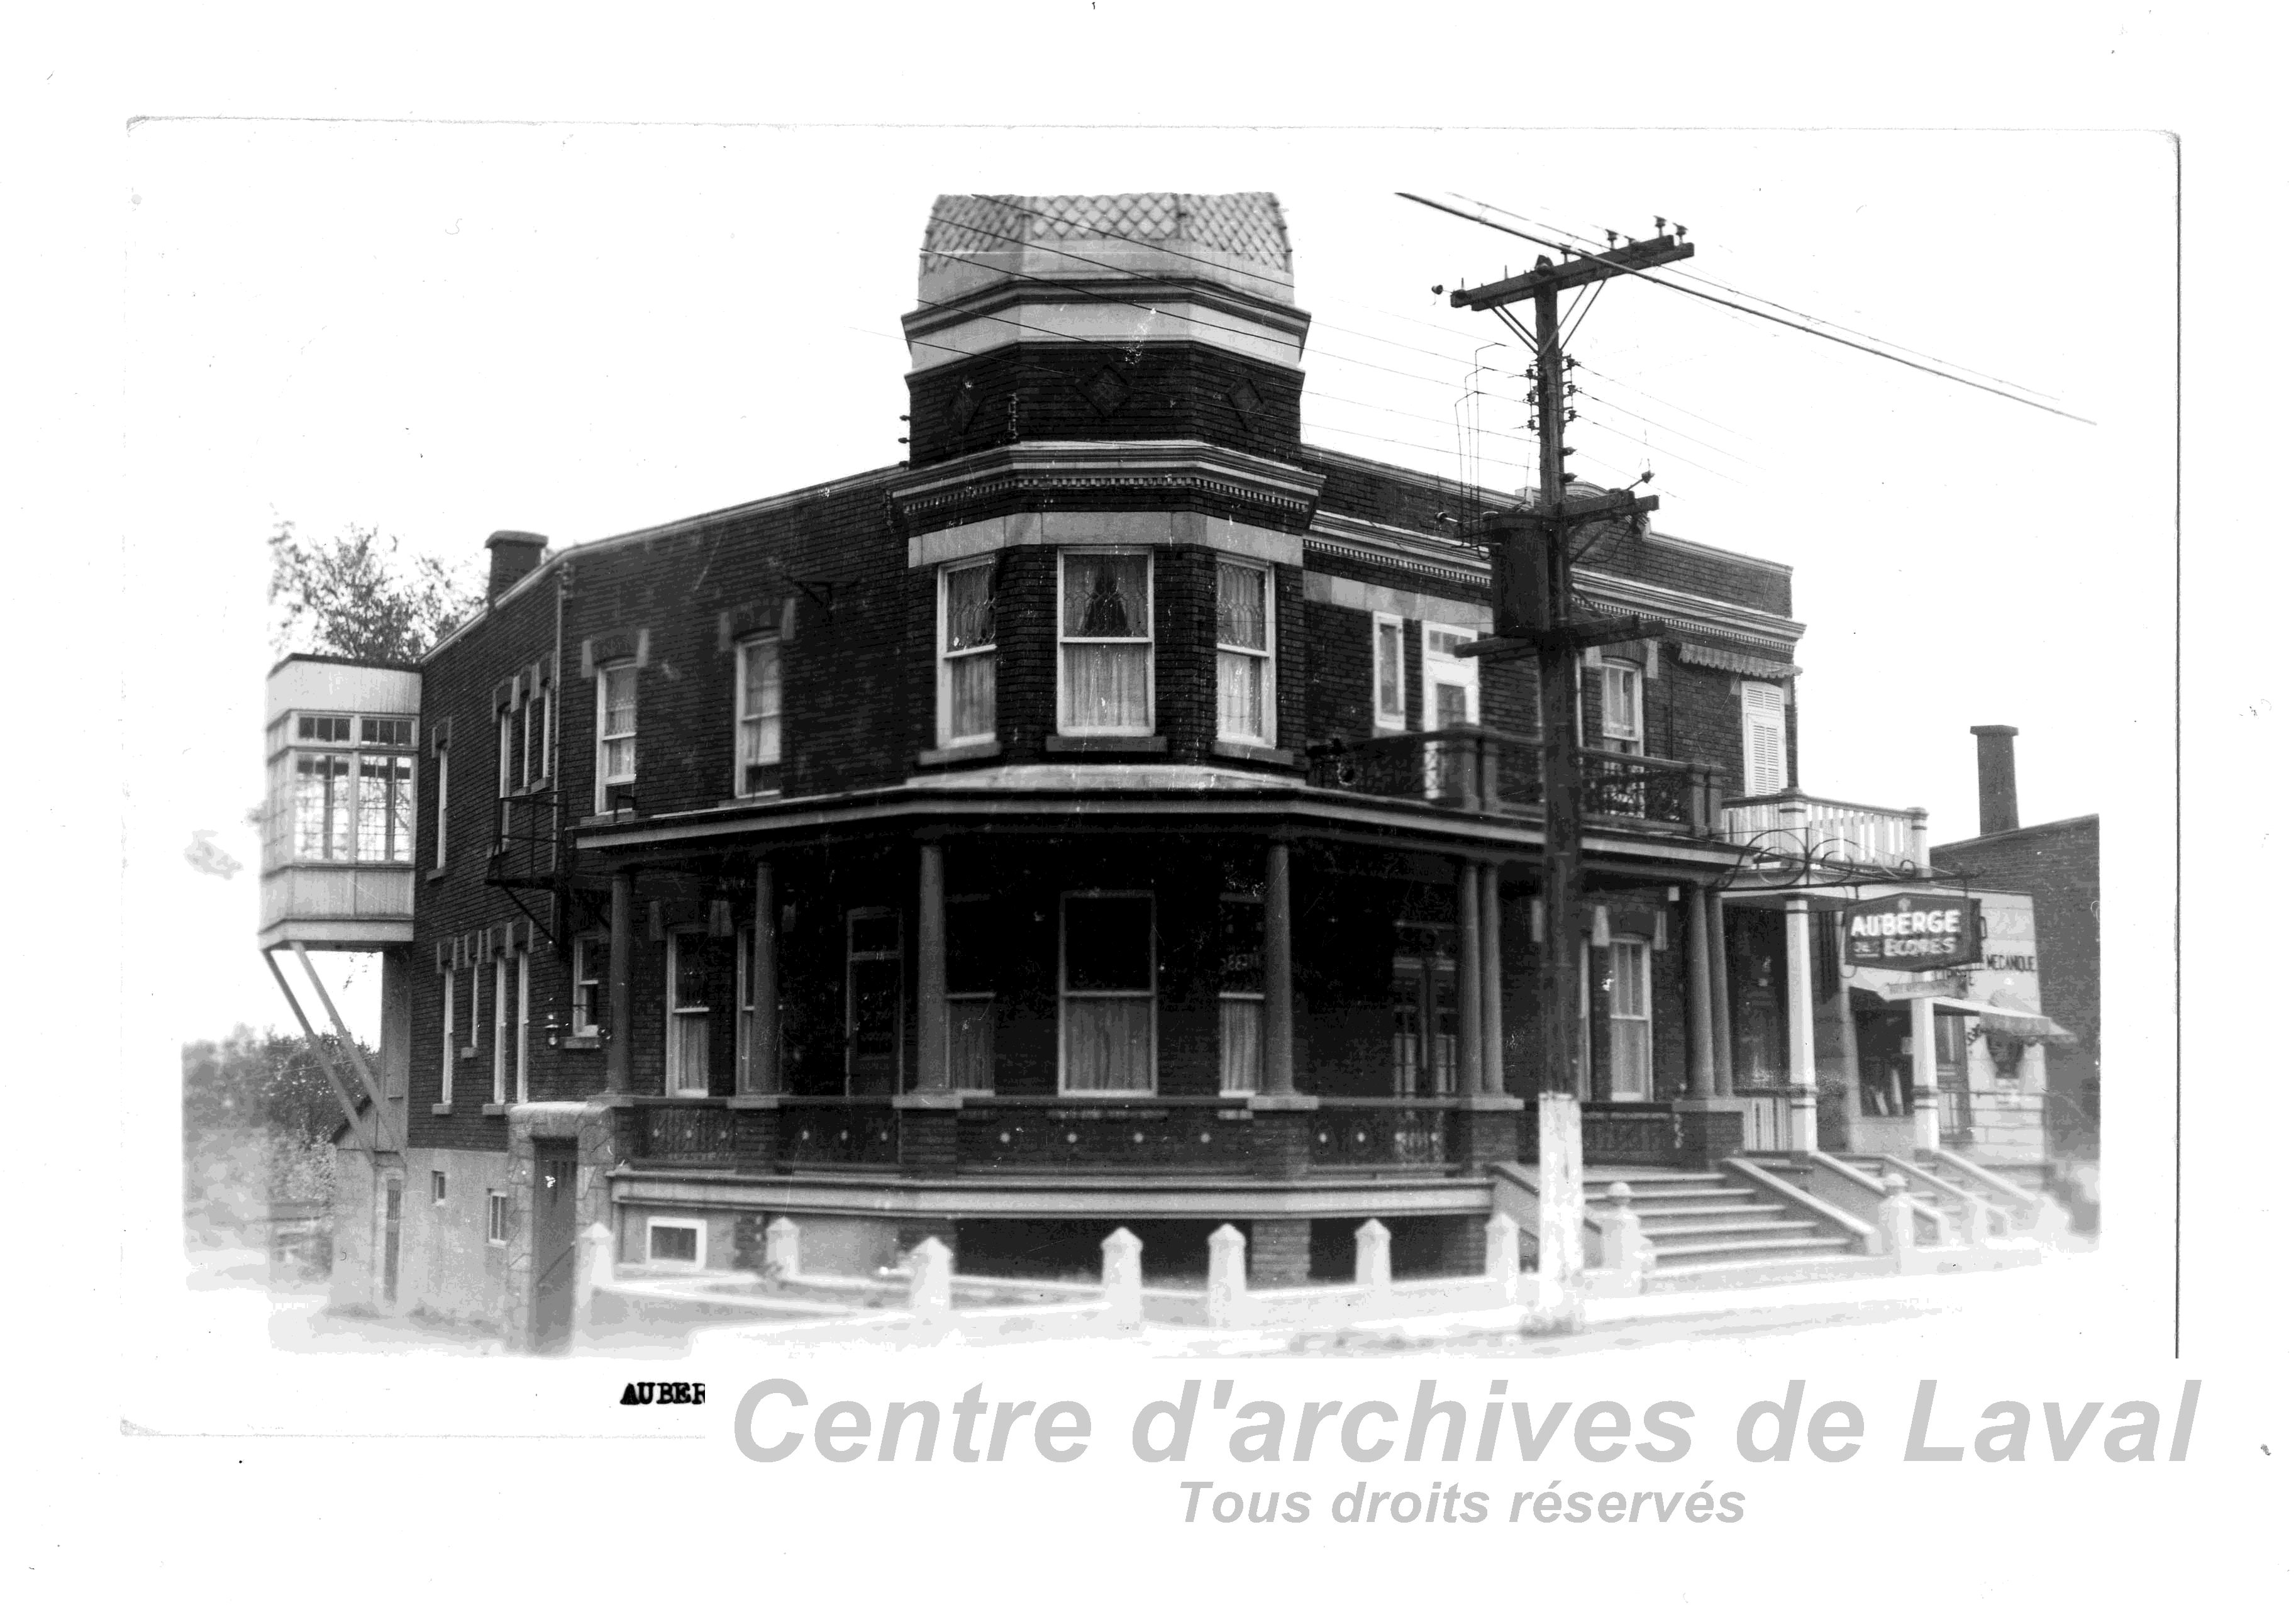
259,1119
357,596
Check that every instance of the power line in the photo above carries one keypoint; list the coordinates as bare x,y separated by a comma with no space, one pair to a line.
1766,316
1806,315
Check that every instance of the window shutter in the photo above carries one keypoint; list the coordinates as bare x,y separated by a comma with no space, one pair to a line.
1764,709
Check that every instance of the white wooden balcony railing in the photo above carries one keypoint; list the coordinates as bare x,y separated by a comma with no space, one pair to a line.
1837,833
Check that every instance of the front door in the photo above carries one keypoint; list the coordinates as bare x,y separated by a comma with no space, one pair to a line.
554,1245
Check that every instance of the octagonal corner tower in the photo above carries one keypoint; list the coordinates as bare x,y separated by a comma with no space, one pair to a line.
1138,315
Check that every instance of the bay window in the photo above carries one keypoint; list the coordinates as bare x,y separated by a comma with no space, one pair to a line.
323,808
968,653
1107,644
1107,994
1245,623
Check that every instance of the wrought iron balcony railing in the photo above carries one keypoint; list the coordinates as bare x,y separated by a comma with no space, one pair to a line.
1475,768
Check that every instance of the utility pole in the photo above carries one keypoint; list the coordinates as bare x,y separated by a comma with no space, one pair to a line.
1531,560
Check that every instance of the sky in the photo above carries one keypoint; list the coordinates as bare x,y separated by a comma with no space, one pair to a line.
445,330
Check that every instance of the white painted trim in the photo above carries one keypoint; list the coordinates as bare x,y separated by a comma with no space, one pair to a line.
697,1228
1397,719
1266,737
942,657
1340,592
1061,640
962,542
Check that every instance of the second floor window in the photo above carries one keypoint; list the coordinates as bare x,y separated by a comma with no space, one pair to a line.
1107,643
1763,713
758,716
523,744
1246,654
968,653
1387,710
618,729
1622,707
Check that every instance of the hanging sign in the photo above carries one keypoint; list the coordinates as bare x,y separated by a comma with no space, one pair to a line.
1914,931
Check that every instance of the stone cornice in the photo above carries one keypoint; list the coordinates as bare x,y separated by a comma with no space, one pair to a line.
1075,471
1157,293
1457,564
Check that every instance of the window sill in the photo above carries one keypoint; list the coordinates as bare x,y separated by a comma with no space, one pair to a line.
494,1109
468,1052
607,819
442,1108
987,749
581,1044
1059,744
1258,752
433,875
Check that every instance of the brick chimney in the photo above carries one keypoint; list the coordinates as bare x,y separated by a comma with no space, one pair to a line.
516,553
1996,779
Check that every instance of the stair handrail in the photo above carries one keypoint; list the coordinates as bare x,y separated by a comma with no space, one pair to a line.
1923,1174
1873,1185
2025,1198
1864,1231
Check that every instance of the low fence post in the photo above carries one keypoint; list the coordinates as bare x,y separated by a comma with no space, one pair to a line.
781,1253
1375,1266
1502,1255
1977,1218
1895,1217
594,1271
929,1289
1226,1299
1624,1253
1119,1280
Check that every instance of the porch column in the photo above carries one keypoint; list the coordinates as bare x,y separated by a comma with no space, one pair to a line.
932,972
1276,1006
765,987
1470,976
1718,956
619,951
1802,1028
1845,1028
1923,1015
1494,1026
1701,1000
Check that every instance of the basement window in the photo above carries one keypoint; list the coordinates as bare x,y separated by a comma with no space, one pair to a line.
498,1218
676,1241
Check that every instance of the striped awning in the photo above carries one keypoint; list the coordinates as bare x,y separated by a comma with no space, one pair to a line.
1735,662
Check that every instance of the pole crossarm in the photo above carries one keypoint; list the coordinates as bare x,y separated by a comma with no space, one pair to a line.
1577,634
1550,277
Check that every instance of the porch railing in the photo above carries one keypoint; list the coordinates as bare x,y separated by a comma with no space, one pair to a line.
1217,1134
839,1132
1370,1133
1476,768
699,1129
1075,1133
1798,825
1612,1133
1769,1119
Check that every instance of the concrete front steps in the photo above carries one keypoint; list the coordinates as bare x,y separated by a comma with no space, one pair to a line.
2009,1212
1711,1231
